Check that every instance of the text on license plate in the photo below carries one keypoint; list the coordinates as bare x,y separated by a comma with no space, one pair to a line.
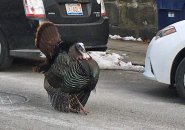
74,9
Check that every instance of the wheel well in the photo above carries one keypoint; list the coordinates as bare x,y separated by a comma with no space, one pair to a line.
176,62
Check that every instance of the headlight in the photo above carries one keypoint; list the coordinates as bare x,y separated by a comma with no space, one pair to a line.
166,31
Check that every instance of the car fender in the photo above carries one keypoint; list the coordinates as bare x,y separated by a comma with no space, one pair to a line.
162,55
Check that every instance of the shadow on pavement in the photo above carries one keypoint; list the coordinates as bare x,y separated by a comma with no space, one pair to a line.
167,95
159,92
20,65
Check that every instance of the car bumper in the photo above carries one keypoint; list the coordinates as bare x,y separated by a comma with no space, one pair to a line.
93,35
160,56
158,60
148,70
148,66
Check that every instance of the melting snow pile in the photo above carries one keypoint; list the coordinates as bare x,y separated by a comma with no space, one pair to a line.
128,38
113,61
115,37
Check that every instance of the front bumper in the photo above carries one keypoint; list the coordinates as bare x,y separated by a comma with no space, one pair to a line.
149,72
93,35
148,69
160,56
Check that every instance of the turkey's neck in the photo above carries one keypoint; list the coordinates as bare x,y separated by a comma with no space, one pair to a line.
77,55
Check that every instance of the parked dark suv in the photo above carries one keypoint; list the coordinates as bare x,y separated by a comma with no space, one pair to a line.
77,20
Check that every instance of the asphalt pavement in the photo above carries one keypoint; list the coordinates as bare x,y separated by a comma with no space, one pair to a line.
123,100
132,51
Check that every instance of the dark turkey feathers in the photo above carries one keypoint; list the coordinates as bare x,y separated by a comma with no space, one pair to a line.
73,75
47,38
70,73
61,101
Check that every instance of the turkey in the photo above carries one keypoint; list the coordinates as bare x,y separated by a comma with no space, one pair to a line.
70,72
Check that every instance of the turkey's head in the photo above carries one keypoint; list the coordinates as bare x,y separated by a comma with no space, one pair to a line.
81,50
78,51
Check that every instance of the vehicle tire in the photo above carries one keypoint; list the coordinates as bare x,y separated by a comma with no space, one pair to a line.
180,79
5,59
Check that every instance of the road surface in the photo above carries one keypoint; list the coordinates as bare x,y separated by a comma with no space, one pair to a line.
122,100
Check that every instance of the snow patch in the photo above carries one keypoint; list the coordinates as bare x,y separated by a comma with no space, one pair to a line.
127,38
115,37
113,61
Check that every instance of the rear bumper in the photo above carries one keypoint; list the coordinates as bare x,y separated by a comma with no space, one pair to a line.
93,35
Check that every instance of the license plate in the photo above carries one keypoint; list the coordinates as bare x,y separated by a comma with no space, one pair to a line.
74,9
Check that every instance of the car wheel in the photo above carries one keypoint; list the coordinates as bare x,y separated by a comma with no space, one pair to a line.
180,79
5,59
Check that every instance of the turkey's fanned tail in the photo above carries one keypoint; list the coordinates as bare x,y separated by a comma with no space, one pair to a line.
47,38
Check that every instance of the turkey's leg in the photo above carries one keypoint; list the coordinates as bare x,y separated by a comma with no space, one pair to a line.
73,110
81,106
